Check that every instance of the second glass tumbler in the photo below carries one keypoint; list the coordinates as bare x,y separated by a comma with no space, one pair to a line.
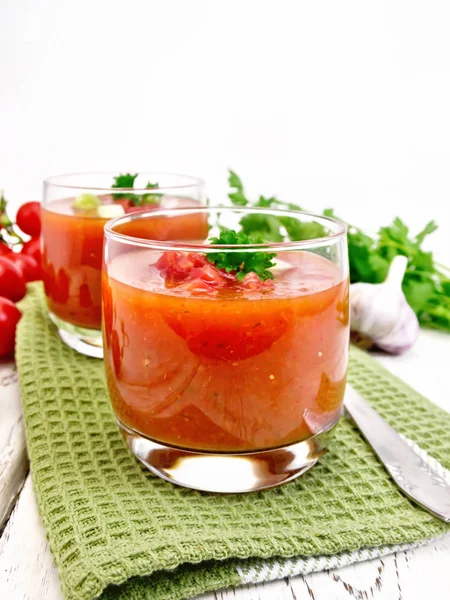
75,209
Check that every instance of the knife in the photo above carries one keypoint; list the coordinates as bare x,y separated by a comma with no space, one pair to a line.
424,483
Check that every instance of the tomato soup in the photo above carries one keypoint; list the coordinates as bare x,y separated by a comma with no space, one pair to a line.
204,362
73,252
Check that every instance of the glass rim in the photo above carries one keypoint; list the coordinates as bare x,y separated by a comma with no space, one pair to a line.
184,245
57,181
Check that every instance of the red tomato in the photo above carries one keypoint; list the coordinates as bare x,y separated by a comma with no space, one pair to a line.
205,279
33,249
178,266
12,283
29,218
9,317
29,267
4,249
211,275
252,282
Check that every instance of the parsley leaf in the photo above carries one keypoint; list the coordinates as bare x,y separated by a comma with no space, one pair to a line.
125,180
242,262
429,228
298,230
234,181
266,226
273,202
237,197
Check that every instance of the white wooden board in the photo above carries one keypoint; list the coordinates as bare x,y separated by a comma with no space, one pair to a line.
13,457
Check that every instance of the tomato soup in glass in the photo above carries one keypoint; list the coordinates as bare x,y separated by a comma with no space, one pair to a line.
214,368
74,212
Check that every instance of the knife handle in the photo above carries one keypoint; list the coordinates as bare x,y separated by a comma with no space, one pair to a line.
425,484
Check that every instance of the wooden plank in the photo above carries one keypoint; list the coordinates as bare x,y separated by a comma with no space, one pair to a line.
26,565
13,456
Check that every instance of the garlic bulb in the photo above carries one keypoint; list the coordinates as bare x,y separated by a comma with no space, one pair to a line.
381,313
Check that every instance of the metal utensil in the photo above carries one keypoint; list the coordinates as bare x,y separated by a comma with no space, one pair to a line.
421,482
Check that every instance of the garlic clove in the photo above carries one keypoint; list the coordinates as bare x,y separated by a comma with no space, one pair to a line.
380,311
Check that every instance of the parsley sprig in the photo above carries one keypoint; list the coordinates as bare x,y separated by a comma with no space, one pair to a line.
242,263
426,283
270,227
126,180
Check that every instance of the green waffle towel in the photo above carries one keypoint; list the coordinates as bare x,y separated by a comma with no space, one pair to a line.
118,532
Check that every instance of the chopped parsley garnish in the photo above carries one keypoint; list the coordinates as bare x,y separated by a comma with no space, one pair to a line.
127,180
242,263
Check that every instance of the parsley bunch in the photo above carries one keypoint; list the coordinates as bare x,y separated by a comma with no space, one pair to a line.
270,227
126,180
426,284
242,262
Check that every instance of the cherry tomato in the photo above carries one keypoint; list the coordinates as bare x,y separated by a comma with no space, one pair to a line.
12,283
4,249
29,218
33,249
9,317
28,266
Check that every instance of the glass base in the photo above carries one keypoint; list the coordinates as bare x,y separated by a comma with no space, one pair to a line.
85,341
227,473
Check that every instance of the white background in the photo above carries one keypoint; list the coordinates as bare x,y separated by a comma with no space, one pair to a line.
342,104
325,103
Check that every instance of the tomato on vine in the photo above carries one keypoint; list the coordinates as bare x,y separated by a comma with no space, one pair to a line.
12,282
28,218
27,265
33,249
4,249
9,317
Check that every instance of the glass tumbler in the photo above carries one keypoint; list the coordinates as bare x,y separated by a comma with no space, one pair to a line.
75,209
225,362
